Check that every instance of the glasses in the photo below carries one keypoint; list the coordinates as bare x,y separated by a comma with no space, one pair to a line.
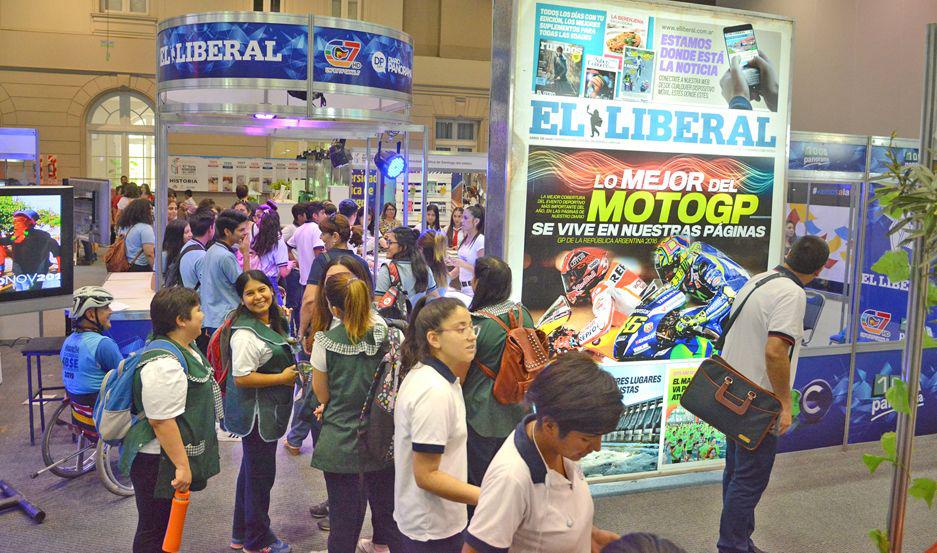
464,330
390,242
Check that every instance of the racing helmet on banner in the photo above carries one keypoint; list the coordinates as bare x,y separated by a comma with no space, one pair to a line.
672,259
583,269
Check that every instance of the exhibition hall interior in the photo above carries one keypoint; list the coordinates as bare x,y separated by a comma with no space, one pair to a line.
555,276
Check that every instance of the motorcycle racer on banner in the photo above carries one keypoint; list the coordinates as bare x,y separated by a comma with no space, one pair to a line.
614,290
704,273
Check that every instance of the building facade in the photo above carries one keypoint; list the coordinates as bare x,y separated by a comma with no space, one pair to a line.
82,73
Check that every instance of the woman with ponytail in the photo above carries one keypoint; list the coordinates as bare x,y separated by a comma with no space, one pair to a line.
433,247
430,431
415,279
336,234
344,360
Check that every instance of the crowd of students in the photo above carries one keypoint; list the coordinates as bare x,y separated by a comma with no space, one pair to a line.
467,473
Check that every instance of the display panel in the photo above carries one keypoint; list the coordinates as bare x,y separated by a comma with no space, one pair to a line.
36,235
646,164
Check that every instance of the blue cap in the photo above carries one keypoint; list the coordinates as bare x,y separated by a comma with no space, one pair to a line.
28,213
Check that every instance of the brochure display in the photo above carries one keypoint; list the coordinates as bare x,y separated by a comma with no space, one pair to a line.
649,152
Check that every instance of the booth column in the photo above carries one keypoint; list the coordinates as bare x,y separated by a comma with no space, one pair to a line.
162,193
499,125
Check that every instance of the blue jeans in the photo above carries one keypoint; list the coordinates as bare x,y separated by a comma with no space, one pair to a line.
252,496
744,480
304,421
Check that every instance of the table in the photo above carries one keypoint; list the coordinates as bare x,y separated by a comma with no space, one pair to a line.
38,348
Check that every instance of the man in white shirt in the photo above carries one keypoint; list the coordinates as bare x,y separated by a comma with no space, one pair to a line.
762,344
306,239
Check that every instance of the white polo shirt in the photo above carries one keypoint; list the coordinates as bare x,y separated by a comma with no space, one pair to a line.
775,309
429,417
306,238
526,508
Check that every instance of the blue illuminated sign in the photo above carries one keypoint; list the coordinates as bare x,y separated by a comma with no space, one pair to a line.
348,57
233,50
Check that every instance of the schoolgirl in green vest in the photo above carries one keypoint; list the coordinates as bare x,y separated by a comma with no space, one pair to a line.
257,407
489,422
175,447
344,359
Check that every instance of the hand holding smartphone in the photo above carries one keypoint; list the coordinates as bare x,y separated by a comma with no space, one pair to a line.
740,42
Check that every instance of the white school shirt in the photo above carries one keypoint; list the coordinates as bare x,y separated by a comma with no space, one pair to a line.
429,417
527,508
163,390
775,309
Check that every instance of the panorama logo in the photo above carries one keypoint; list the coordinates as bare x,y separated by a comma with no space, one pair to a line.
342,53
816,400
875,322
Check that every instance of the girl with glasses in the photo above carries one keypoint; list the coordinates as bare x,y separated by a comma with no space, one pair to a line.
430,460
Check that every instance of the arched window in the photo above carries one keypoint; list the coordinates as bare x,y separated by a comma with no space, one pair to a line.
121,139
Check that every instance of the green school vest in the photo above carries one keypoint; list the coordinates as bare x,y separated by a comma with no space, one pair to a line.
196,425
351,370
483,413
269,407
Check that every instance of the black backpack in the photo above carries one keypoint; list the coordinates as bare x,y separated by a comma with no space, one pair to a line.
173,276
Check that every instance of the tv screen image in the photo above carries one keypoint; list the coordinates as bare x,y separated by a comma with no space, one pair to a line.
35,242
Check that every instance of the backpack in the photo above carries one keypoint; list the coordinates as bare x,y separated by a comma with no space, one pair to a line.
113,411
376,421
390,306
116,257
173,276
526,353
218,352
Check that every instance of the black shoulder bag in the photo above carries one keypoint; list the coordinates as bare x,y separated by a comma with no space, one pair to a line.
728,401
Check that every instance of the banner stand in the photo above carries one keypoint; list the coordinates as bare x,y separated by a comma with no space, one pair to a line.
281,75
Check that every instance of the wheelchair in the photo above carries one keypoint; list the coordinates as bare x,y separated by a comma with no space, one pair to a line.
70,448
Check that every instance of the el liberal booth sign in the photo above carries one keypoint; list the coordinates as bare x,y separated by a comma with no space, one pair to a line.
233,50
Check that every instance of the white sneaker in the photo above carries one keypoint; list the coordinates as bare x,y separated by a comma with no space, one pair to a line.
367,546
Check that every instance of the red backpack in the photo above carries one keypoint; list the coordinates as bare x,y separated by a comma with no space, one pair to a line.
219,352
526,353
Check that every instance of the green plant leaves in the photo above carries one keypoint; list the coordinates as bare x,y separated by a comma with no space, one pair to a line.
923,488
929,342
880,539
895,265
889,443
873,461
897,396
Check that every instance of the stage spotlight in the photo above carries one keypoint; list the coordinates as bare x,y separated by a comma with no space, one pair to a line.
265,116
391,164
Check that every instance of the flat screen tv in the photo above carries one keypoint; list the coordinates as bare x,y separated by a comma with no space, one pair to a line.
36,241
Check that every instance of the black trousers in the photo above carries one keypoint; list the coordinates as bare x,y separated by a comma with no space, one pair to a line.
481,450
152,512
349,494
252,496
452,544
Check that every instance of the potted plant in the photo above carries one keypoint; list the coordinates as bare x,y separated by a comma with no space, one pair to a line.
908,194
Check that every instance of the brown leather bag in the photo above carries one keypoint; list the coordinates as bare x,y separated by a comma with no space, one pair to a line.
116,257
526,353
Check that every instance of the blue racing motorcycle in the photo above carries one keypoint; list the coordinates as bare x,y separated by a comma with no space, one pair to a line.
650,331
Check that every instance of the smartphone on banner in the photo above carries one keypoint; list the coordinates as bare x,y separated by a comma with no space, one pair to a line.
740,41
